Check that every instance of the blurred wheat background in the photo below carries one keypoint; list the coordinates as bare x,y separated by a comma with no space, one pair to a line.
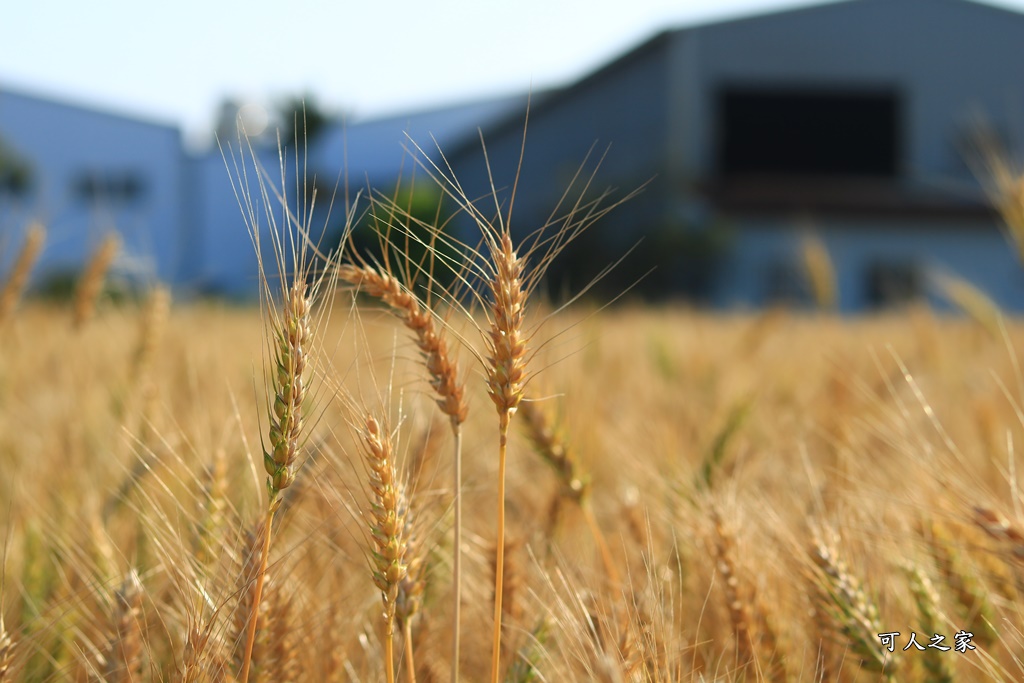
719,454
687,496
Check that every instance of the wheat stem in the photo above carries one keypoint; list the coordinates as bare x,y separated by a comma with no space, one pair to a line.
292,336
389,658
6,650
250,635
602,544
499,560
379,283
125,647
506,378
387,519
457,550
410,665
575,486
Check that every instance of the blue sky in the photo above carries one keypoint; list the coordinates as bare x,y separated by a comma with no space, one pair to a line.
175,61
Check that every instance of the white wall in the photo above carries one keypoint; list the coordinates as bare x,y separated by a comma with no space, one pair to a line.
975,252
948,58
63,142
230,203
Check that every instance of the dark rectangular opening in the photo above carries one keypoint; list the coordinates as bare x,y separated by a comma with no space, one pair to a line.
807,132
893,283
115,186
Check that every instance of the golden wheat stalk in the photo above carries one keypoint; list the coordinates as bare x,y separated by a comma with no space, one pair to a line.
506,377
121,659
972,301
288,310
410,590
1003,182
419,319
962,579
212,508
380,283
15,285
926,599
6,650
1002,530
91,283
293,340
292,334
508,285
853,613
511,585
196,656
575,485
821,273
552,449
387,529
739,613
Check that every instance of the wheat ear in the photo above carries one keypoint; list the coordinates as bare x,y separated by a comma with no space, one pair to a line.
15,284
6,650
196,650
292,340
926,598
410,590
955,570
506,376
852,610
1002,530
418,318
821,274
444,373
972,301
1003,183
739,614
91,283
497,264
575,485
121,659
387,529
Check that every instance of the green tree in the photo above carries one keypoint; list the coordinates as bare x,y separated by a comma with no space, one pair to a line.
302,118
408,226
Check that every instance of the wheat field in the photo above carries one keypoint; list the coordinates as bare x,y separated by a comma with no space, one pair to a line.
774,491
372,476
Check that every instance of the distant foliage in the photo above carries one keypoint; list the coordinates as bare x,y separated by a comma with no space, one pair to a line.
302,118
668,259
409,226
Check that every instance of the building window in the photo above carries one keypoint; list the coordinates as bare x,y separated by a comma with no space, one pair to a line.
893,283
109,186
15,173
16,182
807,132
